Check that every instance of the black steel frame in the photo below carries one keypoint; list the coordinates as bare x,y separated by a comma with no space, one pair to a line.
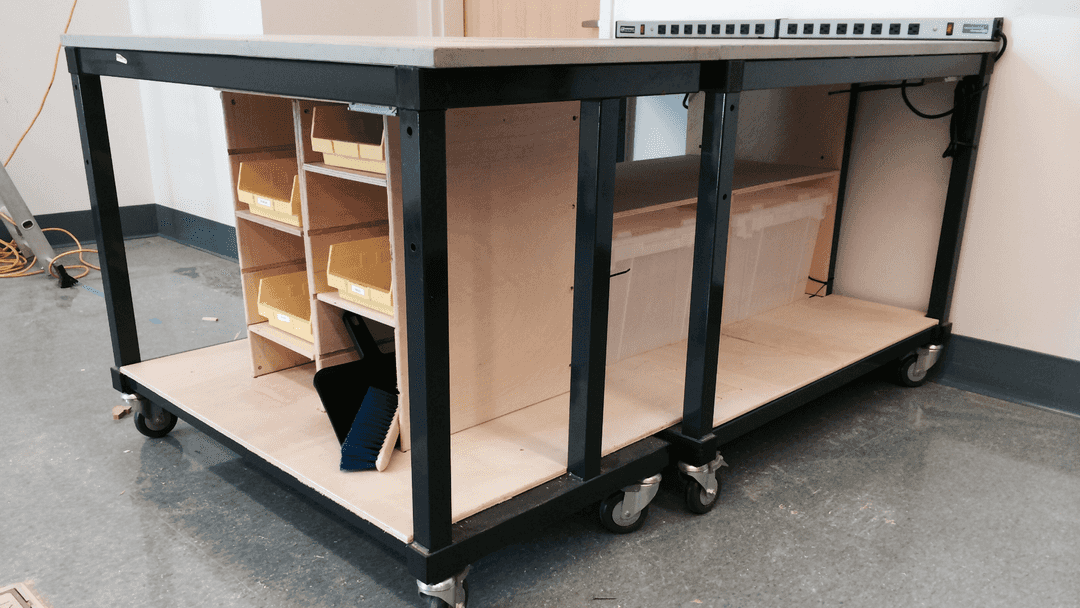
442,548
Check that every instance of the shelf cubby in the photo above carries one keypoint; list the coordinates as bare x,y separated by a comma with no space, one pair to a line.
336,203
257,122
260,245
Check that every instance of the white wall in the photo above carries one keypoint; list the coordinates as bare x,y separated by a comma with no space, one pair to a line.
168,141
659,127
48,168
184,126
1019,276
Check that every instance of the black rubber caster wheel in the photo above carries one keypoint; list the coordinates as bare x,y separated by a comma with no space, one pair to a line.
905,372
612,518
697,499
155,431
430,601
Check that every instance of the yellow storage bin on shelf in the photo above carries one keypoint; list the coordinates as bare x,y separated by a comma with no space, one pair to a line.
349,139
271,188
284,301
360,271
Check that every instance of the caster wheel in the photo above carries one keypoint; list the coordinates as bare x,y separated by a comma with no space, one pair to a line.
697,499
430,601
906,375
611,515
155,431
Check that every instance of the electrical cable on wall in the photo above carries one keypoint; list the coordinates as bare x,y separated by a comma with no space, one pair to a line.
12,262
965,94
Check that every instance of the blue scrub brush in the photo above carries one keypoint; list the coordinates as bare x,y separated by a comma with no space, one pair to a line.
374,432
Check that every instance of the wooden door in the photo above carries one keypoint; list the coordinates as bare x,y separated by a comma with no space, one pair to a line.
531,19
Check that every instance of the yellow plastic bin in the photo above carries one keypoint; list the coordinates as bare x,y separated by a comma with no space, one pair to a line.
353,140
360,271
284,301
271,188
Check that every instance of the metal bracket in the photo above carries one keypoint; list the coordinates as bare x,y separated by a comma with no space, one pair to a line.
638,496
156,417
705,475
451,591
368,108
927,357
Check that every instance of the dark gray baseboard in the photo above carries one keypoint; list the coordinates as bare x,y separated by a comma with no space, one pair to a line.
198,232
1012,374
137,220
143,221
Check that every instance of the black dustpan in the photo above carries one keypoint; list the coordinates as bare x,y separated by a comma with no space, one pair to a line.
342,387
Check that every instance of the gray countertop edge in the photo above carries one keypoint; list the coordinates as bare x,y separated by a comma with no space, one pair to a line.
489,52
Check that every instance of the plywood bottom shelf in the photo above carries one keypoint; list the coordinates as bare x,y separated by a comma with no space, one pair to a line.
277,416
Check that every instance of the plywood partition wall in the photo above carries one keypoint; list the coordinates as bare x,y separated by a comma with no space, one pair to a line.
511,195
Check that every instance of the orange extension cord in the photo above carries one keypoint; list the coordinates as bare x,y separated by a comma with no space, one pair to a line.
12,262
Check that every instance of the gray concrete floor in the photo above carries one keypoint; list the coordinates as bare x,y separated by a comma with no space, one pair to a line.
872,496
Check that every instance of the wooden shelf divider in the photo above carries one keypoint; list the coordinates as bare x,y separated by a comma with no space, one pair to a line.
366,177
269,223
297,345
333,299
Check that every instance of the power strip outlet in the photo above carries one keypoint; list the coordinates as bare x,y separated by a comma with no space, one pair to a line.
891,29
742,28
833,29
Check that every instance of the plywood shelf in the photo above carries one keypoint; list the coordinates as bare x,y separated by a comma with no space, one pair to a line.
366,177
332,298
293,343
648,185
265,221
277,416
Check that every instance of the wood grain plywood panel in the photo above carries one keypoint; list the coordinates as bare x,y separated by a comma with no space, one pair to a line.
260,246
257,121
512,190
511,196
277,416
530,19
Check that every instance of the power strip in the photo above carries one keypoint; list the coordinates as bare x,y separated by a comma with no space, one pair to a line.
891,29
869,29
742,28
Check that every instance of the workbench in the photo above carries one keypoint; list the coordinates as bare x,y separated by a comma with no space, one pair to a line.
455,127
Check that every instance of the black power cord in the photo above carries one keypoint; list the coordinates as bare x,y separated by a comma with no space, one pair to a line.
965,94
903,93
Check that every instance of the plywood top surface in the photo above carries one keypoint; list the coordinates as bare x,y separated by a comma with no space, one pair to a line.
453,52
